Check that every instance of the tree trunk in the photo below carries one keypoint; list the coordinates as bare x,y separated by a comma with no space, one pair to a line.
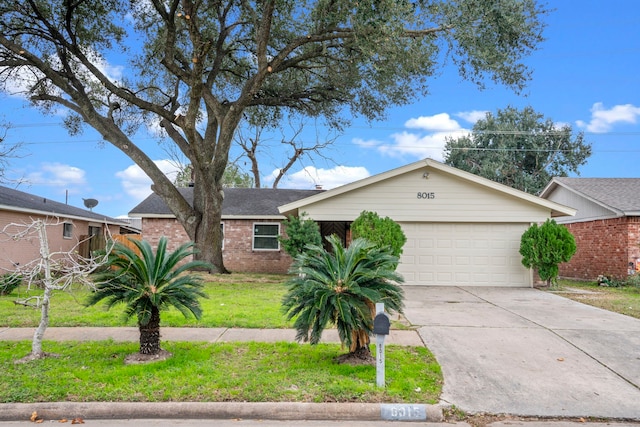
150,334
359,352
207,234
359,340
36,344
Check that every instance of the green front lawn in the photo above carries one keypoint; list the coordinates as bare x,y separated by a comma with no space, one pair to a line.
235,301
203,372
95,371
623,300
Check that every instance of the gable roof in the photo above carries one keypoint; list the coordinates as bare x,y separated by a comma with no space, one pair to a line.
237,203
19,201
555,208
621,195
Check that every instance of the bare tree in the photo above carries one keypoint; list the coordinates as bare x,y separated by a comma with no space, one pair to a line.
7,150
296,149
53,271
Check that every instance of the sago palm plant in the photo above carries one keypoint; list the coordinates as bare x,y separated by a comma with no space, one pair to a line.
341,287
148,283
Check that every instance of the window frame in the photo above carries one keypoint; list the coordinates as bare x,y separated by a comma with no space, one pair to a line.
67,226
275,237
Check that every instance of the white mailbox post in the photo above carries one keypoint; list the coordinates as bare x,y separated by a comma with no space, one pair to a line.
381,325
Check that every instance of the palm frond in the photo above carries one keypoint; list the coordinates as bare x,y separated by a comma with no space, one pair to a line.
340,287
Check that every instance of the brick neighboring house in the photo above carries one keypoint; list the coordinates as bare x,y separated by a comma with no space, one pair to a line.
606,226
251,224
68,226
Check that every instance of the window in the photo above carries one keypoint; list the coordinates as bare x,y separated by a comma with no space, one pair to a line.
67,230
222,234
265,236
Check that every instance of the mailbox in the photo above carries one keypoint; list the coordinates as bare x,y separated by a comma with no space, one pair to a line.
381,324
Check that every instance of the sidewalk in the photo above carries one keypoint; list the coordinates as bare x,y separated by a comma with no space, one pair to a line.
212,335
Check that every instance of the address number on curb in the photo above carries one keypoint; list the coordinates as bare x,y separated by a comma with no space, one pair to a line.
399,412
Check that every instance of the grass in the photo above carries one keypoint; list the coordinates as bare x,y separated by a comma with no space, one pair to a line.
623,299
201,372
254,372
235,301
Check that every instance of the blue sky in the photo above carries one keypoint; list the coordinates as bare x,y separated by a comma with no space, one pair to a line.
586,74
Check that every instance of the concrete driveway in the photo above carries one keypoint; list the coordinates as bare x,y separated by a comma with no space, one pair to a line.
528,352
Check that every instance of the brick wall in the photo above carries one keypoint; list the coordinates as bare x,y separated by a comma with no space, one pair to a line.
238,253
603,247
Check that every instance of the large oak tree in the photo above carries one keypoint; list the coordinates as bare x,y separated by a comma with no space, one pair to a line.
195,66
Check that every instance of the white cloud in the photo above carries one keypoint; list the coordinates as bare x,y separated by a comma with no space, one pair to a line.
471,116
416,144
311,176
602,120
112,72
367,143
57,175
438,122
137,184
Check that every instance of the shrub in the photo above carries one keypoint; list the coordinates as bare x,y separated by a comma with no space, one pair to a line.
379,231
300,233
634,280
9,282
544,247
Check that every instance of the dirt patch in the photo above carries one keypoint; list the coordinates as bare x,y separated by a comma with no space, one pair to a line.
453,415
31,356
139,358
361,356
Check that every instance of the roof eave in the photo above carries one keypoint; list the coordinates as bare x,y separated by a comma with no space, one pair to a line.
59,215
274,217
227,217
555,183
556,209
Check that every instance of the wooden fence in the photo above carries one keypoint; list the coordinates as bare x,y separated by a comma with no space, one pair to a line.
90,244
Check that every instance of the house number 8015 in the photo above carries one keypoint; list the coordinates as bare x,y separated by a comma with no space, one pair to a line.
426,195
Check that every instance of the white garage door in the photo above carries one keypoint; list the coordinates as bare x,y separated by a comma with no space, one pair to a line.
452,254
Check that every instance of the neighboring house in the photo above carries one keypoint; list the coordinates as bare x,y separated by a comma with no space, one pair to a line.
462,230
606,226
68,226
251,225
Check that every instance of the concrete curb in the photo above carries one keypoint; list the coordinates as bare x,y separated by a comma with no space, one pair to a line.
222,410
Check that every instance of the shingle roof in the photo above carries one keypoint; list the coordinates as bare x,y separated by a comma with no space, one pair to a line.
622,194
15,200
237,201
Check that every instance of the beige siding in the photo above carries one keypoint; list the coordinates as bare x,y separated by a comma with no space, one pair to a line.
448,198
587,210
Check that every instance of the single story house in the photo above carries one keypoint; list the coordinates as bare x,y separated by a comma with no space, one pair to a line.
462,229
68,226
250,224
606,226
